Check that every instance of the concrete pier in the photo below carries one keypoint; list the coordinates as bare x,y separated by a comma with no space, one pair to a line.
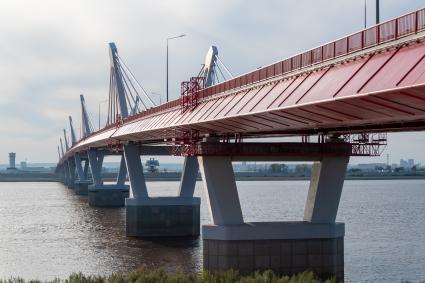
71,173
81,187
316,243
82,182
108,195
162,217
284,247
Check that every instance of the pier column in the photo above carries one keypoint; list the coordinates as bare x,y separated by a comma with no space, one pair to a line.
219,181
72,175
96,161
65,173
135,171
159,216
324,194
105,195
82,182
316,243
189,176
86,168
122,173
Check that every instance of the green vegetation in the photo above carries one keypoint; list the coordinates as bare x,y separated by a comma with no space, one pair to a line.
153,276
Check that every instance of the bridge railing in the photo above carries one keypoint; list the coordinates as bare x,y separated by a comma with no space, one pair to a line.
387,31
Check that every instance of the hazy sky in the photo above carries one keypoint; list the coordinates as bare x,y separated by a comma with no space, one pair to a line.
51,51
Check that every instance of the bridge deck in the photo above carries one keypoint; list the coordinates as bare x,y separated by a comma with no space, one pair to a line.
341,97
381,88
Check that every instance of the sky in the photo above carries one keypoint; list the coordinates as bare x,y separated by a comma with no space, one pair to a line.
53,50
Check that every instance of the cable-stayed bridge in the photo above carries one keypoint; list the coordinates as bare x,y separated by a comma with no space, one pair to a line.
340,98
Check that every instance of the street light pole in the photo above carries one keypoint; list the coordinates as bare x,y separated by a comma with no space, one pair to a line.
365,13
170,38
377,12
167,69
100,103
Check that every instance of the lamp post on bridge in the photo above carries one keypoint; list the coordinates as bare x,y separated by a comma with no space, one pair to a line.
170,38
377,12
100,103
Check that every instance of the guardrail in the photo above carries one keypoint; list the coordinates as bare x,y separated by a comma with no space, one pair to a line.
387,31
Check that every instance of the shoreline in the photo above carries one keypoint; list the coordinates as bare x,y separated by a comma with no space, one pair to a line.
238,178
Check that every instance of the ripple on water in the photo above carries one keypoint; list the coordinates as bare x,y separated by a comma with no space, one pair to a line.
46,231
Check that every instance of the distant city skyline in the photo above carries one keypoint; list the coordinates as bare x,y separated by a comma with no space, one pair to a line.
58,49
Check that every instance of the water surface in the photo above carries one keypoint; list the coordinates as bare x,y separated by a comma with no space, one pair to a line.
46,231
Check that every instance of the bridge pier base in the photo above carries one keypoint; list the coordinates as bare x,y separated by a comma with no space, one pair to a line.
106,195
316,243
109,195
284,247
82,183
160,216
81,187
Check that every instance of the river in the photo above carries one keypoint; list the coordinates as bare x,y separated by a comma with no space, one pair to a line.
46,231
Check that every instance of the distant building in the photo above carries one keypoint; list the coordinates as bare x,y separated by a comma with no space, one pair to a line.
407,164
23,165
12,164
371,166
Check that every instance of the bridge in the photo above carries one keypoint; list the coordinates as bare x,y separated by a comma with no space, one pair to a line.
340,99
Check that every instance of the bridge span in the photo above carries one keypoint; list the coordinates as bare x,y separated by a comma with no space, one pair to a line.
348,93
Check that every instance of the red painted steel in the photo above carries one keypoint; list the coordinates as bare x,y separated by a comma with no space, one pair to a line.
376,90
391,30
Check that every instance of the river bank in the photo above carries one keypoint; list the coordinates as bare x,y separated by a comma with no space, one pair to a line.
146,275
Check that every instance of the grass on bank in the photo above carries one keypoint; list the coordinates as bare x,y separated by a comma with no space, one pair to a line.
158,275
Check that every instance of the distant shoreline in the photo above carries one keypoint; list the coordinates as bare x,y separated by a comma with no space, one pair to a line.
238,178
